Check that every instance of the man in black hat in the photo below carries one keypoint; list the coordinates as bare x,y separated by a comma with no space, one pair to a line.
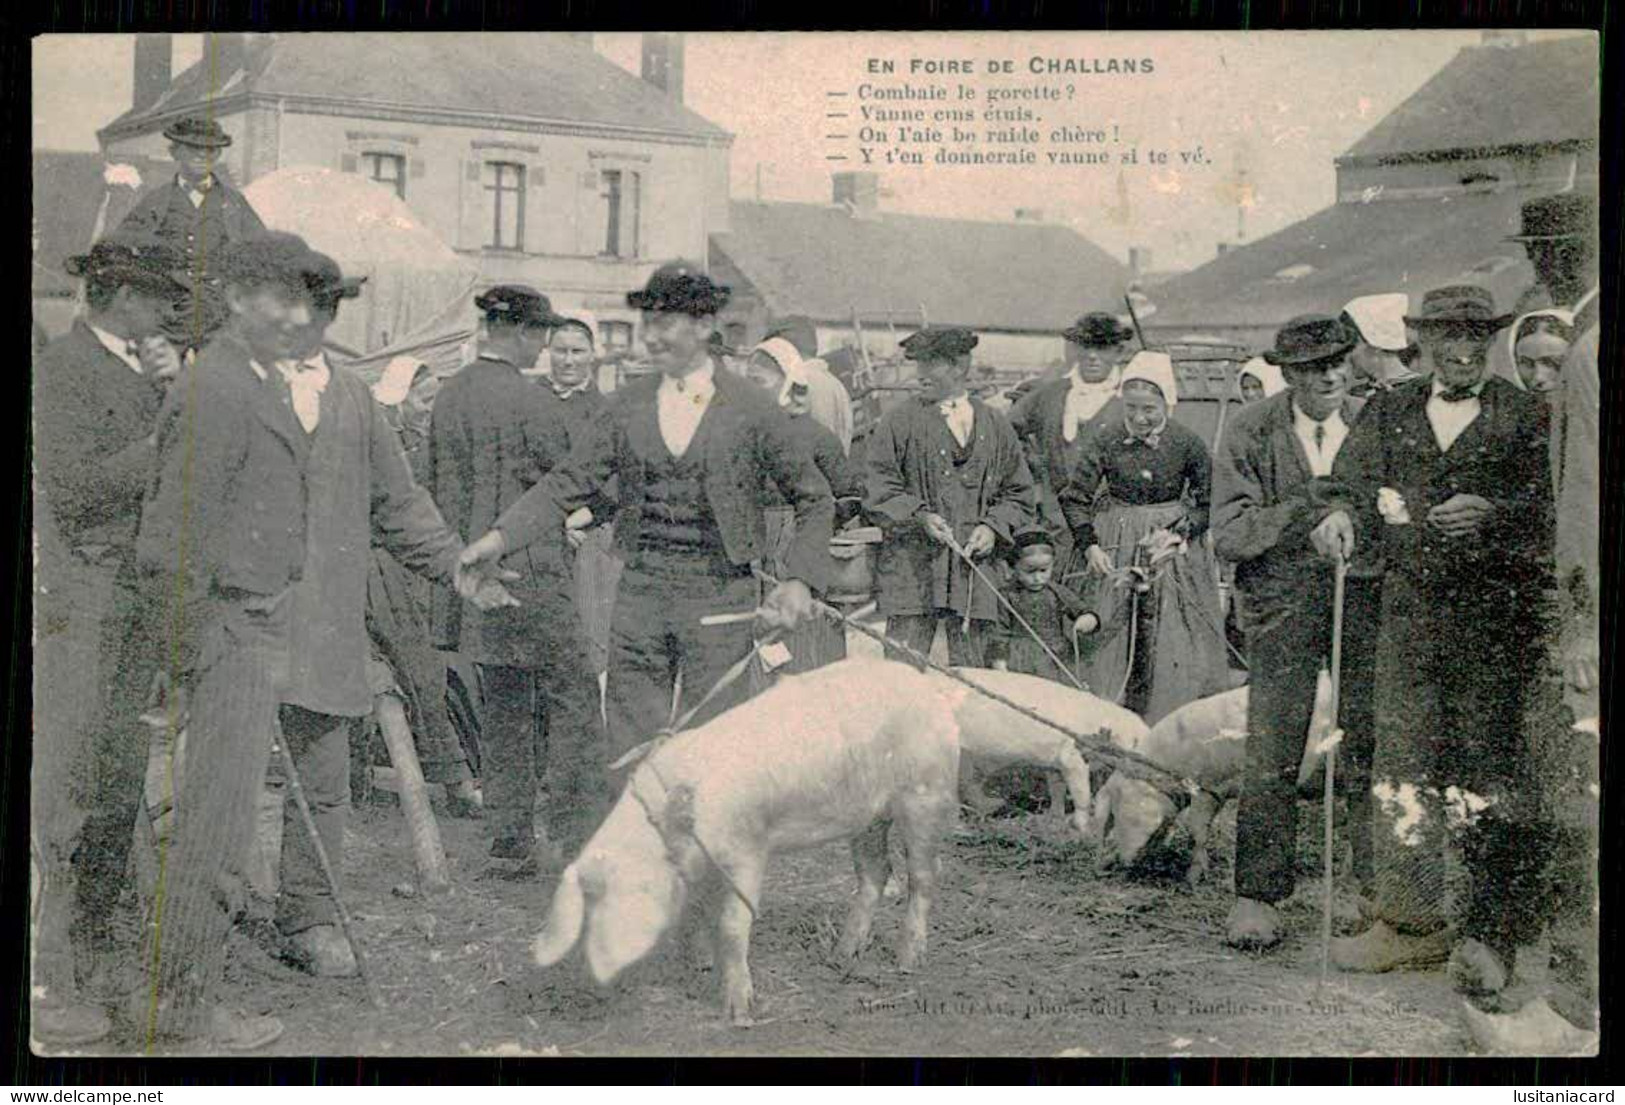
1449,480
276,470
1053,418
197,214
1273,490
97,392
495,435
1559,232
943,469
684,458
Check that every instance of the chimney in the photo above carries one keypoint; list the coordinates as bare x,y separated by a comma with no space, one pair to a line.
154,60
1139,261
858,192
663,63
1029,214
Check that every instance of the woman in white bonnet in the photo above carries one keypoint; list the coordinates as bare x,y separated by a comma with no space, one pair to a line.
1166,647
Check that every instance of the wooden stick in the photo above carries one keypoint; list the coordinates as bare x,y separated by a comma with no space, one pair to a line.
1341,573
298,790
428,854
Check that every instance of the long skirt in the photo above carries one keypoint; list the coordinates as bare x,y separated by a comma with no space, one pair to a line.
597,573
819,641
1158,649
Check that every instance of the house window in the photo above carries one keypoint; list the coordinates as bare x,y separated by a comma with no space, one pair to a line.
388,169
620,191
616,336
505,185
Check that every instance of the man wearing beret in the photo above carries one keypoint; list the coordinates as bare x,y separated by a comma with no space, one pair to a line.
1448,476
198,215
687,456
943,469
276,470
1272,488
1560,232
494,434
1055,417
97,392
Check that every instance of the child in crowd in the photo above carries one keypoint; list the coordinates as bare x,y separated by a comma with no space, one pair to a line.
1059,617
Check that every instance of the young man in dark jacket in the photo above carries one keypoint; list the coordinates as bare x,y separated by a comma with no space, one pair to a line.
688,454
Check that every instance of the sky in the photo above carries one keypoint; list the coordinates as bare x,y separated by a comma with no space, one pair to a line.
1270,110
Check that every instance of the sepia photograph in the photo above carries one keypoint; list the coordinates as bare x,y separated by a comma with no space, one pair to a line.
1009,544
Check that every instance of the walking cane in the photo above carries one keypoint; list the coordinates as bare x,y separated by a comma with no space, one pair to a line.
1330,745
322,860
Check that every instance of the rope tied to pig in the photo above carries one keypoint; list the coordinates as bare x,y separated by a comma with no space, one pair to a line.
1136,766
679,817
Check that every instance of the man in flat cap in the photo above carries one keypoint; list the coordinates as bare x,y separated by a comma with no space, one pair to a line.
1383,352
1559,233
97,392
684,458
1272,488
276,471
1448,477
494,435
943,469
197,214
1054,418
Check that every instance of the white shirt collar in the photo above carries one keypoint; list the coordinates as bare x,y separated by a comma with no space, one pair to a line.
1304,424
1440,387
701,381
1080,384
119,347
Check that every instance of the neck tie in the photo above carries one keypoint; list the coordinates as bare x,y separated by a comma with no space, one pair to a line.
1320,438
132,350
1456,394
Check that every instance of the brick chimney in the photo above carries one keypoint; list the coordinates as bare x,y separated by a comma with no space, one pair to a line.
858,192
154,65
663,63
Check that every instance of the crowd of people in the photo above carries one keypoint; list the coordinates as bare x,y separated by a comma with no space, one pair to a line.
534,578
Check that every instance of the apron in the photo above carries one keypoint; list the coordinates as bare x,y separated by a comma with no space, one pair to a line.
1166,649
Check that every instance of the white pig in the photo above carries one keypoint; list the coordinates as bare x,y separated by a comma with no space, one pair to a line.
837,753
1204,741
998,736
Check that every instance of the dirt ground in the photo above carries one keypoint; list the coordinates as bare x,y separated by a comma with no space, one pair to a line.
1031,954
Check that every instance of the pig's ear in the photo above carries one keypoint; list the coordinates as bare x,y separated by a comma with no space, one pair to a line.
563,929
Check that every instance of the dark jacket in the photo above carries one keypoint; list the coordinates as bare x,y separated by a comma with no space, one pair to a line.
748,447
845,478
1501,457
246,502
93,421
1037,421
1266,502
910,471
197,233
493,436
